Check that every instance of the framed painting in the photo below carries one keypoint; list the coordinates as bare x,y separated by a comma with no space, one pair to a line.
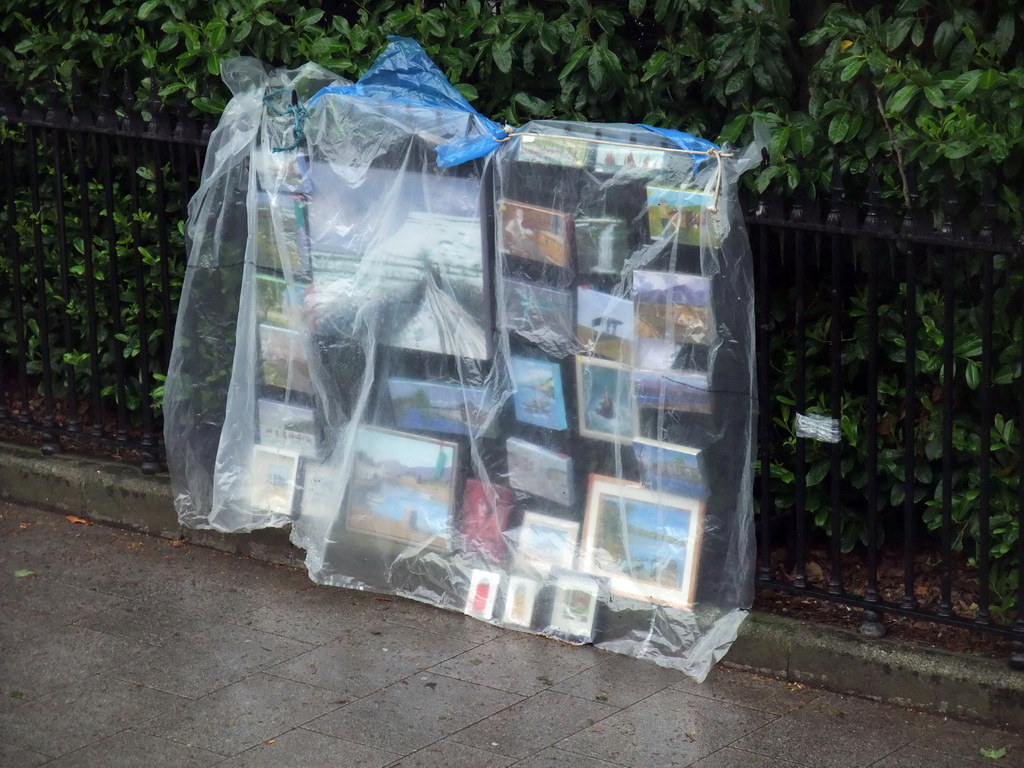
520,600
483,592
283,425
645,543
441,407
485,509
672,391
534,233
574,602
402,487
673,469
273,472
605,395
613,158
604,324
672,307
538,397
279,302
553,150
537,313
539,471
545,542
281,236
674,213
602,245
283,359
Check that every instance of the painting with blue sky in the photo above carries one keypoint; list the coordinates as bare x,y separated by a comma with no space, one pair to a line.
436,407
538,396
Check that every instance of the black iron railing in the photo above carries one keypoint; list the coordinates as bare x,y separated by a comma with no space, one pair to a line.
903,332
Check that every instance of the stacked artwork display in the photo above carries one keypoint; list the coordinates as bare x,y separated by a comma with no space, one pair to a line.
515,386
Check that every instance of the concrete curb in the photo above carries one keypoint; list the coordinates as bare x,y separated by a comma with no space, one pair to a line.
970,687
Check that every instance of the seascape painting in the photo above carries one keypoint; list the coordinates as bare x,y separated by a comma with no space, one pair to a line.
670,468
605,392
538,395
672,391
435,407
539,471
402,487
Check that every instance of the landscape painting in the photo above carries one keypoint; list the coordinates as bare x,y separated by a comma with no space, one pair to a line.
279,302
545,542
537,313
672,391
602,246
604,324
283,359
434,407
646,543
274,471
674,214
539,471
605,392
402,487
670,469
535,233
281,238
672,306
538,394
553,150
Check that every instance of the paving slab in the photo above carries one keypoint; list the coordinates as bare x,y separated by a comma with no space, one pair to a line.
34,607
521,663
533,724
315,615
301,748
451,754
81,714
240,716
670,728
368,658
414,712
16,757
553,757
741,688
619,681
127,748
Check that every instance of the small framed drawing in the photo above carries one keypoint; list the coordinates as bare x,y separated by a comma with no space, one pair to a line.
545,542
672,307
574,603
485,510
553,150
538,394
612,158
646,543
321,492
531,232
402,487
520,599
674,469
537,313
604,324
674,213
283,359
274,471
283,425
602,246
605,392
539,471
672,391
483,591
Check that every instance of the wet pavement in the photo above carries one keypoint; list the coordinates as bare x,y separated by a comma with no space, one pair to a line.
117,649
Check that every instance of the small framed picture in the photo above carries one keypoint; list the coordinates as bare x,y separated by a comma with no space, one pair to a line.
605,392
672,391
441,407
672,306
671,469
573,606
281,236
520,599
538,394
553,150
604,324
321,492
645,542
483,592
485,509
283,359
274,471
283,425
611,158
539,471
534,233
279,302
674,213
545,542
602,246
538,313
402,487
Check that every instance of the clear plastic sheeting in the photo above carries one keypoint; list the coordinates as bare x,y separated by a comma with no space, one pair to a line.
510,374
813,426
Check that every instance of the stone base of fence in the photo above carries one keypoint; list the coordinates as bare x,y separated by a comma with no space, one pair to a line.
932,680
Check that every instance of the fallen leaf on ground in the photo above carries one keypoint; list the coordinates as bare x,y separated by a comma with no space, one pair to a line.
177,543
79,520
994,754
384,599
134,544
17,694
271,741
23,573
23,526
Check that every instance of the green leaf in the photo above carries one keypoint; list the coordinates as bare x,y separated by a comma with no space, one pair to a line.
899,100
147,8
574,61
992,754
501,52
973,374
850,70
636,7
935,97
945,37
838,128
964,85
23,573
469,93
596,68
1003,36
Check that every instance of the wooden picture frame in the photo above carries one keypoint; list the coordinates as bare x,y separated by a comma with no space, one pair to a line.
574,601
544,542
604,392
273,472
646,543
